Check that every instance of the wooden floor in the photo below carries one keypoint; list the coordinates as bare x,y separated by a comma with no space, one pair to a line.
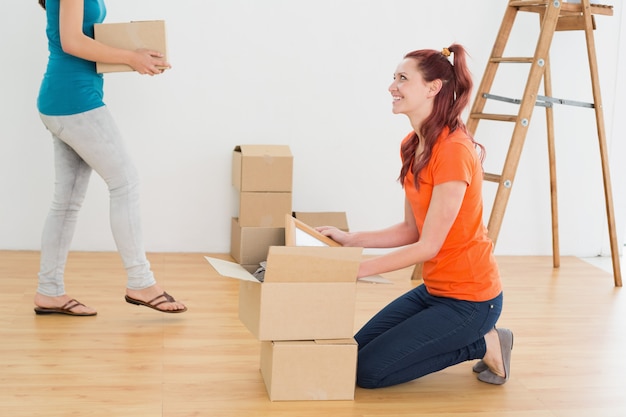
569,357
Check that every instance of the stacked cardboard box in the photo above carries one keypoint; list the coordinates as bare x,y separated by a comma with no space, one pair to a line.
316,358
303,311
303,314
262,175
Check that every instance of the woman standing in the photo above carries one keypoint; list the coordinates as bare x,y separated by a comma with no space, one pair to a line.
451,317
86,138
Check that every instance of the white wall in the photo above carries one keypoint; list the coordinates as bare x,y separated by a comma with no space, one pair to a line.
313,75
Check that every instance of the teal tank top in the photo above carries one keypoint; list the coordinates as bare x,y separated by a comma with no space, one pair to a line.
70,85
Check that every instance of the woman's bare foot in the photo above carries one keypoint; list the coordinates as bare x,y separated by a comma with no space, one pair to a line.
493,356
154,297
45,303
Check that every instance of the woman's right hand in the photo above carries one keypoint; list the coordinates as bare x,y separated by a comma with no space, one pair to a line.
75,42
149,62
335,234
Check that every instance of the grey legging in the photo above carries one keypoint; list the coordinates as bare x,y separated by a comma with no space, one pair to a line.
84,142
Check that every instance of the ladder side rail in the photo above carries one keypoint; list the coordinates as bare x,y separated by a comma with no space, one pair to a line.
554,207
599,110
548,25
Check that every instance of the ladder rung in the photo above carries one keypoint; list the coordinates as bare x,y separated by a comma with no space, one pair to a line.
496,117
567,102
491,177
542,100
527,3
514,60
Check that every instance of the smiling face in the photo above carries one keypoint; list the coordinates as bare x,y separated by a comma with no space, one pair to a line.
411,94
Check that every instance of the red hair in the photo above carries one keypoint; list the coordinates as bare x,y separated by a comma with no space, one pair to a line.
448,105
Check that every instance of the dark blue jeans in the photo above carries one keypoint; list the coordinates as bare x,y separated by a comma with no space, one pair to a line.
418,334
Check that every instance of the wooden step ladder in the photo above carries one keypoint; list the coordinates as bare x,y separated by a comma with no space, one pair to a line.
554,15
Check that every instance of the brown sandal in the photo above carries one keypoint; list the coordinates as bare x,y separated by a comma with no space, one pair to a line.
66,309
151,304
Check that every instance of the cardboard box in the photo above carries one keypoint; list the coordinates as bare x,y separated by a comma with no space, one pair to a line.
308,293
263,209
324,218
262,168
148,34
309,370
249,245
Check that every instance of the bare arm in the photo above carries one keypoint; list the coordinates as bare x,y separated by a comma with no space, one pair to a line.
399,234
75,42
443,210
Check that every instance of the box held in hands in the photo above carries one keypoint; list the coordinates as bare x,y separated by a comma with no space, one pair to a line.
148,34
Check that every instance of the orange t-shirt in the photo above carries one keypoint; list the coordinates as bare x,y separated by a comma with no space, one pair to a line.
465,267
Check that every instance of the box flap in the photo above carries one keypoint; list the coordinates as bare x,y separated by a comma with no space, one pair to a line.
268,151
312,264
337,219
231,270
298,233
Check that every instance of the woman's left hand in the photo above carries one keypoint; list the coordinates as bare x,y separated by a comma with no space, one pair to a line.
149,62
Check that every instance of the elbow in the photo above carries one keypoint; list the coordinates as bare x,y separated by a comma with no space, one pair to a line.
68,48
431,254
429,251
70,45
410,235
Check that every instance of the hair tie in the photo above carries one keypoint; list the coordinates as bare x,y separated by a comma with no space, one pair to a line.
445,52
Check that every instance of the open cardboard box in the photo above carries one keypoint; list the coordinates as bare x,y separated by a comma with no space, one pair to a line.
308,293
